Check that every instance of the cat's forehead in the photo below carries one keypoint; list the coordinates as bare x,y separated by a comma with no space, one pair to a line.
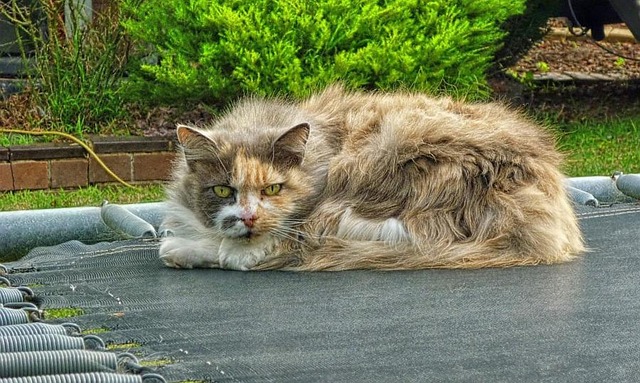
253,172
230,143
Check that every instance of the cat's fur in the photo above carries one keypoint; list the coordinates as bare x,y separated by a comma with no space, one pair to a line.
373,181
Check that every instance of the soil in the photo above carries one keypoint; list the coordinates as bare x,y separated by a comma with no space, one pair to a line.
582,54
575,100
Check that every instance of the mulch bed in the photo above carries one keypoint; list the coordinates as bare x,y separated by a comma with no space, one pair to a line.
576,100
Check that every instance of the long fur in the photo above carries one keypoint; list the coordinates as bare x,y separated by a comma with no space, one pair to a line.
406,181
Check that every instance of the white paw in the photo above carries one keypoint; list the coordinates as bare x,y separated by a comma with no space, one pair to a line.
182,253
240,257
242,262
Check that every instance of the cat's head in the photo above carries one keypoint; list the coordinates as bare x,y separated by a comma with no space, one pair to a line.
245,187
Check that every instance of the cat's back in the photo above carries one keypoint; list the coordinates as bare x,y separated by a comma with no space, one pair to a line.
460,184
397,122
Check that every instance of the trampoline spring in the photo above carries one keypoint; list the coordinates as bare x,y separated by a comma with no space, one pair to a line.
71,328
90,377
19,312
26,292
10,294
13,316
49,342
15,294
92,342
128,362
3,269
28,363
5,281
39,328
20,305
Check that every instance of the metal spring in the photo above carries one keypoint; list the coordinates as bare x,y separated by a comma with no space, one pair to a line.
19,305
12,316
39,328
19,312
17,364
11,294
91,377
49,342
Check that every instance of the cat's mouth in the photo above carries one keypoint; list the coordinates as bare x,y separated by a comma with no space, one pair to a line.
248,235
235,228
245,235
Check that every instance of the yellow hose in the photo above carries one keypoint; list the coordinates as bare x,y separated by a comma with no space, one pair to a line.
76,140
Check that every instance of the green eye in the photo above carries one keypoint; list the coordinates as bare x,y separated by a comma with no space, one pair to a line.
222,191
272,190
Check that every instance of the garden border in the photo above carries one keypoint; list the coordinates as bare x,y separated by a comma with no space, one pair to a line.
68,166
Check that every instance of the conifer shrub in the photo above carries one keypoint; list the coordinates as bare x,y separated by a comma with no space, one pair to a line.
216,51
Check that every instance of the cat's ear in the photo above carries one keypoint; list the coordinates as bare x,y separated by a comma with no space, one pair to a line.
289,148
195,145
191,139
187,135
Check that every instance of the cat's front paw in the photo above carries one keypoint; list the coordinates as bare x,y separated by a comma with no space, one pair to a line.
242,262
181,253
242,257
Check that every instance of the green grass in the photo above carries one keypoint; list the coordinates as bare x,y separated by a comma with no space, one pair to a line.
601,147
89,196
160,363
10,139
60,313
122,346
95,331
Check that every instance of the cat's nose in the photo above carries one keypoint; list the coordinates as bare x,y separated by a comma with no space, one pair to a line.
249,220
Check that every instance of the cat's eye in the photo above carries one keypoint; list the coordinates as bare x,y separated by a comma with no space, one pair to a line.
222,191
272,190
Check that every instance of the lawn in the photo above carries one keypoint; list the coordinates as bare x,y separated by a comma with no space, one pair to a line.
89,196
601,147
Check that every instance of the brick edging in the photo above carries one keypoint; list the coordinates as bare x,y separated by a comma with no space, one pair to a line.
54,166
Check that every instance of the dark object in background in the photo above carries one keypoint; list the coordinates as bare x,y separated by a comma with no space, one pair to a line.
595,14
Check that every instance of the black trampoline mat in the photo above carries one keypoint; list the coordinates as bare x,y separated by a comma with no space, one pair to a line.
575,322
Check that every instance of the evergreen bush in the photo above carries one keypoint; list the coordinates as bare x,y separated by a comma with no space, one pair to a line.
219,50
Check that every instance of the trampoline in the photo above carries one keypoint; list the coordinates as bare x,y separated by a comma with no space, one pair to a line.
574,322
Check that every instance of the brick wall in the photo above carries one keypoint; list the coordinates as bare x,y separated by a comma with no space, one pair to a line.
44,166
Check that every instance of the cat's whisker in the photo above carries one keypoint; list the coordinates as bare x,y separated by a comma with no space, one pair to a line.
287,233
294,223
294,235
287,237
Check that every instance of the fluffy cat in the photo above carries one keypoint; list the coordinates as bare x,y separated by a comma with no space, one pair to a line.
349,180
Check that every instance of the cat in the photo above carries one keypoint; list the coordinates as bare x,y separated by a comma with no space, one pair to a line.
353,180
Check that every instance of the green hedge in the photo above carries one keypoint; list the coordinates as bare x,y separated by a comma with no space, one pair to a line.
215,51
